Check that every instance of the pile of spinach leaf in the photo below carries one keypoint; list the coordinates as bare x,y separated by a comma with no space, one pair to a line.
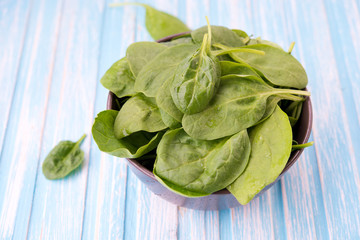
216,107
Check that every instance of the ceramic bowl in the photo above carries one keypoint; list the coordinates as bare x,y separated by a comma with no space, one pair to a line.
222,199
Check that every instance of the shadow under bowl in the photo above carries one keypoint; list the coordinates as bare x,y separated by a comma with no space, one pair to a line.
222,199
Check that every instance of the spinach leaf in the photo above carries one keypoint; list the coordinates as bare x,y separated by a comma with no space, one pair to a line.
140,53
196,79
162,68
168,120
240,33
159,24
178,41
166,103
63,159
220,35
277,66
139,113
271,143
119,79
195,168
228,68
240,102
258,40
294,111
132,146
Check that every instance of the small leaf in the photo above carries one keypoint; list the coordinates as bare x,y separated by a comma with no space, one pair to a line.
63,159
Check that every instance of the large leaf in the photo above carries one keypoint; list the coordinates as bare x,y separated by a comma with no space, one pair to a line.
139,113
133,146
194,168
162,68
140,53
277,66
196,79
239,103
271,143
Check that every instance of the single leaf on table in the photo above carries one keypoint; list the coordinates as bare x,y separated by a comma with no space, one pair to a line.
133,146
239,103
119,79
63,159
196,79
196,168
220,35
139,113
162,68
159,24
140,53
271,143
277,66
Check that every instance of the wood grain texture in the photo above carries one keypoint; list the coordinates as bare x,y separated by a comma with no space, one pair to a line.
58,206
51,60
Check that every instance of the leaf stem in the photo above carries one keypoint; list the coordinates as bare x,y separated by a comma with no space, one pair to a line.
291,47
296,92
81,139
301,146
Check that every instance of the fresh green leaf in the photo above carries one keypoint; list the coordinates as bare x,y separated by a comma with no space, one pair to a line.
270,150
229,68
139,113
166,103
262,41
119,79
196,79
220,35
168,120
159,24
195,168
140,53
162,68
277,66
178,41
63,159
133,146
239,103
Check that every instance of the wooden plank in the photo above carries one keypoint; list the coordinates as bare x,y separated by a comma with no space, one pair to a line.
58,206
20,156
338,170
14,18
104,214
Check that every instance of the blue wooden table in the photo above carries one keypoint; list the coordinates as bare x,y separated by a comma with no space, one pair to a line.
52,55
